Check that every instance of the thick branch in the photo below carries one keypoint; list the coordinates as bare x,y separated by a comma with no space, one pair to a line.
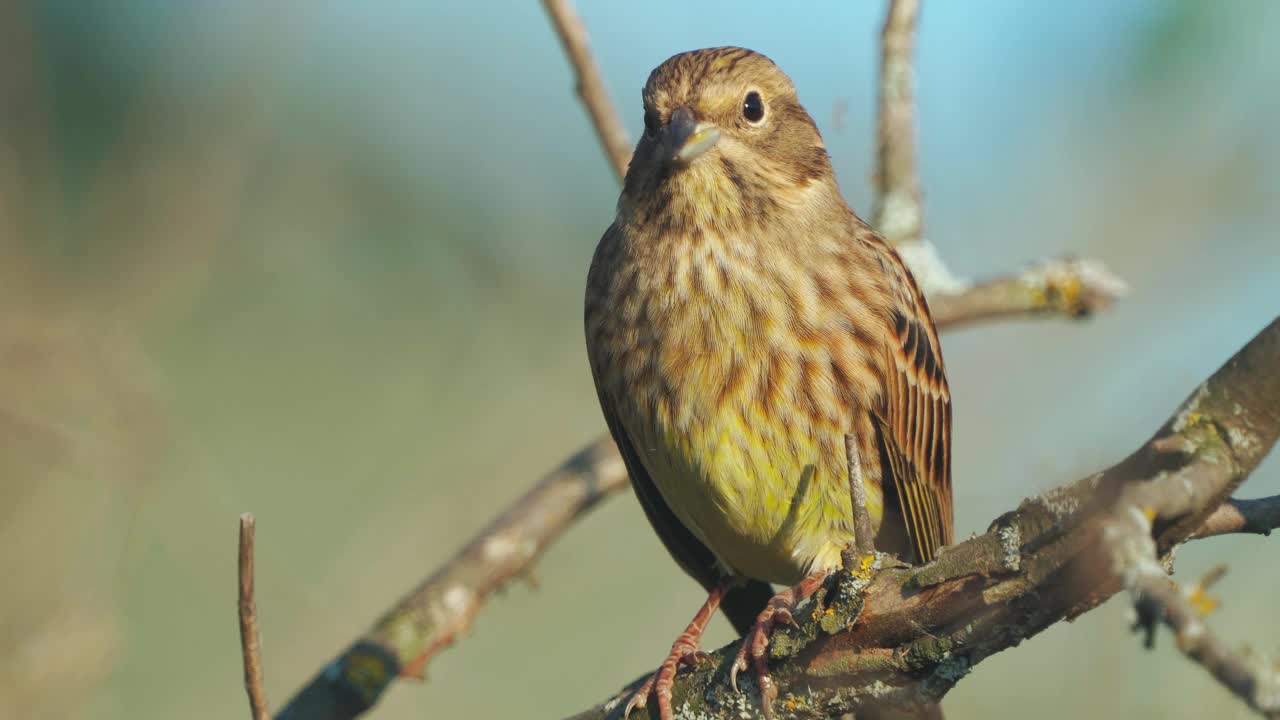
590,87
912,633
433,615
250,638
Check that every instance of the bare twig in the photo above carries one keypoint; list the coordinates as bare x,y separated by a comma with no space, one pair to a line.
898,214
434,614
912,633
1073,288
1068,287
1258,517
250,639
1251,678
897,208
863,535
590,86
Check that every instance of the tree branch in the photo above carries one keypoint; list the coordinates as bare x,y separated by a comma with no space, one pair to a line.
897,208
590,86
911,634
1258,517
1214,424
1156,598
862,532
1066,287
1074,288
898,213
434,614
250,638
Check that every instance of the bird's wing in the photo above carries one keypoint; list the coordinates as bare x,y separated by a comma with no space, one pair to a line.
915,419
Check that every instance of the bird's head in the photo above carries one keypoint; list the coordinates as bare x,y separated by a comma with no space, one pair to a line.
723,130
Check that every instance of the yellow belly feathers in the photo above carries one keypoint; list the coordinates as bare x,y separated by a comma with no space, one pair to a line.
740,421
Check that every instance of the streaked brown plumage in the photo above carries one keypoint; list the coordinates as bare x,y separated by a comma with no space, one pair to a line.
740,321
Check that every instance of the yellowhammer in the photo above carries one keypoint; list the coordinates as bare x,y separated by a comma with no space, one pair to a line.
741,320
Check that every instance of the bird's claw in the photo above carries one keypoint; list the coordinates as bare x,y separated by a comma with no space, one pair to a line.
755,645
739,663
684,652
639,698
694,658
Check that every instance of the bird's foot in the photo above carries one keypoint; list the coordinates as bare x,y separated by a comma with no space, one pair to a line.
685,651
755,644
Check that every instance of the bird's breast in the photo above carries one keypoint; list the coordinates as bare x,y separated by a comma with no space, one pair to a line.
737,384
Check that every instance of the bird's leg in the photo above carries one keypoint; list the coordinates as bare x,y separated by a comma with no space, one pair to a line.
686,650
756,642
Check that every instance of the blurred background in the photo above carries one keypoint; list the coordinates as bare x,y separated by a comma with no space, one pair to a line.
324,261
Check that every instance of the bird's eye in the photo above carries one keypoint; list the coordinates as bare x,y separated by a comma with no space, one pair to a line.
753,107
652,123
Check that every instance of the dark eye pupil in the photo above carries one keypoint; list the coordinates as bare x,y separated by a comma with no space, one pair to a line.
651,122
753,107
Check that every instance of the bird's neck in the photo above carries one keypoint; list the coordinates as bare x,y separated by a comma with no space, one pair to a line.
748,206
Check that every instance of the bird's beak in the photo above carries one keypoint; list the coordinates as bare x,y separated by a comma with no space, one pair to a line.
688,137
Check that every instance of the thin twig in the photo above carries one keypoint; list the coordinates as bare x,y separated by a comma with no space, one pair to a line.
1258,517
863,538
898,214
1067,287
250,639
897,210
1251,678
1074,288
590,85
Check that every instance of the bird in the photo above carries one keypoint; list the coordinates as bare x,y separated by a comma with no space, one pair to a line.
741,322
